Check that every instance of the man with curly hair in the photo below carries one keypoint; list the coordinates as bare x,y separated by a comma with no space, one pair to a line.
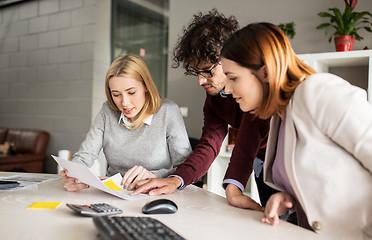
198,50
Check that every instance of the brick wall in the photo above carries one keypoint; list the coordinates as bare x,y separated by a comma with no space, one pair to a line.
53,58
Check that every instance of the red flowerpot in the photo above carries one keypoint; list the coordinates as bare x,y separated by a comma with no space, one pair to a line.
344,43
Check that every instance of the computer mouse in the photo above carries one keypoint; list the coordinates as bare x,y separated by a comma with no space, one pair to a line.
160,206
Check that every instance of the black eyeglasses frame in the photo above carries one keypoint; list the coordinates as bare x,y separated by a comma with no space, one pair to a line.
204,73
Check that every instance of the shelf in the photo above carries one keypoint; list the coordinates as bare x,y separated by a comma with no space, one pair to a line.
321,62
339,59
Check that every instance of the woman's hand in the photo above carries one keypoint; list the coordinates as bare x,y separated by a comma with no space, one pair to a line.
134,174
277,205
71,184
237,199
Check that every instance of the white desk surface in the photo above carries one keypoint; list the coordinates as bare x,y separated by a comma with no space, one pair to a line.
201,215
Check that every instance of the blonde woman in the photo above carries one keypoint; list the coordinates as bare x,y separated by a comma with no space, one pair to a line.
319,151
141,135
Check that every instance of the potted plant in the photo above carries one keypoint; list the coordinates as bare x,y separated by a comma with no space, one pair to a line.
346,25
288,29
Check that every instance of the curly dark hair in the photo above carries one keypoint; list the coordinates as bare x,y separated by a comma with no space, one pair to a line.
203,39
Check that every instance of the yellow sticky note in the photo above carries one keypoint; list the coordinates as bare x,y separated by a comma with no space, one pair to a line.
110,184
44,205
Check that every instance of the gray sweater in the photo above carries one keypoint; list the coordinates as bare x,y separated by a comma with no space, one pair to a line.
159,147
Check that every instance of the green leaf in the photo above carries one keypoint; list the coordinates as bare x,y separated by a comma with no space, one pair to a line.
357,37
358,16
368,29
348,29
323,25
338,18
324,14
288,29
347,15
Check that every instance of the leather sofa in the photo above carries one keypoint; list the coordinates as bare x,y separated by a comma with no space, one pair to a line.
30,147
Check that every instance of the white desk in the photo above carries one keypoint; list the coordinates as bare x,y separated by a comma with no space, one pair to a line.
201,215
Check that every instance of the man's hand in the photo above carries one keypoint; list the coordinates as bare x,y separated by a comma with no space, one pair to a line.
277,205
157,186
237,199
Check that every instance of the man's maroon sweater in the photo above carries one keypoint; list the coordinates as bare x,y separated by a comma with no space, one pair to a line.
219,112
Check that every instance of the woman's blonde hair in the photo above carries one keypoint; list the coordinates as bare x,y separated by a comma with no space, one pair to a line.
264,44
132,66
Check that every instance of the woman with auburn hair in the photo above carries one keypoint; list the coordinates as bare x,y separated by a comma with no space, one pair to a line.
319,151
141,135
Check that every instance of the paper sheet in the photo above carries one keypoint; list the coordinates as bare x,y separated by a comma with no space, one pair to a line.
28,180
86,175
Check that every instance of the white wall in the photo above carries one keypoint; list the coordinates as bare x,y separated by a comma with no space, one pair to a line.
53,59
307,39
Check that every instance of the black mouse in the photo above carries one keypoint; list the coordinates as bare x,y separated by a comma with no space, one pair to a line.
160,206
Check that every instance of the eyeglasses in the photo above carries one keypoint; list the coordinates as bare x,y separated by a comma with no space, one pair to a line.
204,73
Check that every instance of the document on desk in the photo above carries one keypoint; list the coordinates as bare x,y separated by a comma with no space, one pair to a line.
86,175
28,180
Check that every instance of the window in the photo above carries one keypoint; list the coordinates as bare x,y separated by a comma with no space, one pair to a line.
141,27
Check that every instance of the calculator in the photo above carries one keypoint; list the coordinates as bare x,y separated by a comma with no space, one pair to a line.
95,209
